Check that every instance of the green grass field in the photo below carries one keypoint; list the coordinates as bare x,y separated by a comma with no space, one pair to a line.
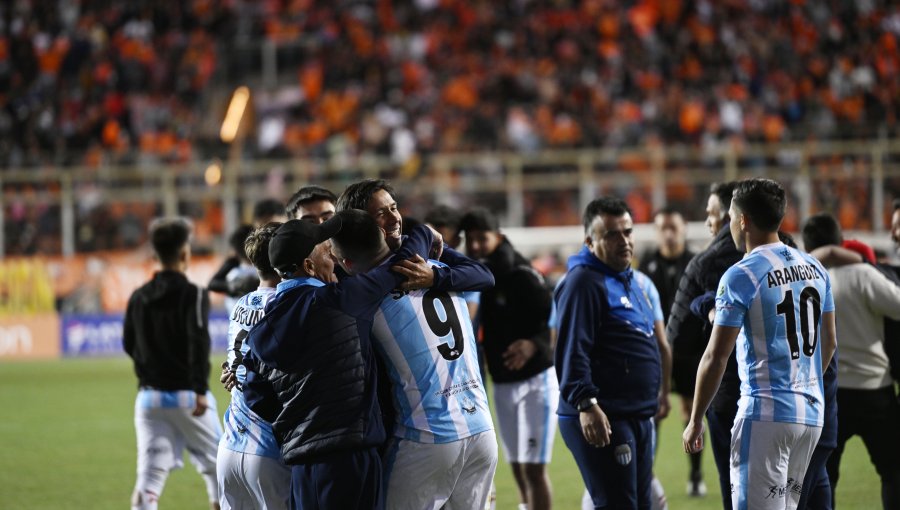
67,437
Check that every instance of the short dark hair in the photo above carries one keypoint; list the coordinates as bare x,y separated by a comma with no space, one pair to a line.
762,200
256,247
724,191
237,238
357,195
897,204
613,206
359,238
168,236
479,218
305,195
821,230
668,210
266,208
443,216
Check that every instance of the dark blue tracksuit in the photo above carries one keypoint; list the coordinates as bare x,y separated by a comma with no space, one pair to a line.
607,349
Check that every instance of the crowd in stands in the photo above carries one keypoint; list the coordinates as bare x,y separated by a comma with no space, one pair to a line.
90,82
96,83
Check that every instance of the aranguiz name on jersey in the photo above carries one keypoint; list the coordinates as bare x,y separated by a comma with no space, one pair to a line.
790,274
246,317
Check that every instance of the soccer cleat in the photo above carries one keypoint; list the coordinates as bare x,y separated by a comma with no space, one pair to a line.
696,489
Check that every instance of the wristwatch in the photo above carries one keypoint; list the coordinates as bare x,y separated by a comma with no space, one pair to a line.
586,403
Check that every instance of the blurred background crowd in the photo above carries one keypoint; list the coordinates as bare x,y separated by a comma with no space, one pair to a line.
99,86
88,82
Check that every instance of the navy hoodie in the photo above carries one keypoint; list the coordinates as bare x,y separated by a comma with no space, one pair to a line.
606,348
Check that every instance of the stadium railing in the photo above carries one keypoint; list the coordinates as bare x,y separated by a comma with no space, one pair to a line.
855,180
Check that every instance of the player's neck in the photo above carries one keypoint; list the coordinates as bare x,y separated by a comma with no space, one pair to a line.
757,239
178,267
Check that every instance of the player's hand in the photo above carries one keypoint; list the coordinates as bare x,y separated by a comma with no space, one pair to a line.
693,436
518,353
201,406
664,407
418,273
595,426
228,378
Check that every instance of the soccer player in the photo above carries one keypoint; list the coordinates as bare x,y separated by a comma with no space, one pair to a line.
775,308
249,467
166,335
311,203
519,356
444,452
608,360
311,372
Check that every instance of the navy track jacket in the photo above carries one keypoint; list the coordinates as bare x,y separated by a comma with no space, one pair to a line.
606,348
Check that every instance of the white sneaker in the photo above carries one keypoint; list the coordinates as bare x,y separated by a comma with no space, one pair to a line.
696,489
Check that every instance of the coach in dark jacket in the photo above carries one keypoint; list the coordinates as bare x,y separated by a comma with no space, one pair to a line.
311,367
689,334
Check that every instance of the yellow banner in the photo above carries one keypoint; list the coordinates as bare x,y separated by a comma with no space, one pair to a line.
26,287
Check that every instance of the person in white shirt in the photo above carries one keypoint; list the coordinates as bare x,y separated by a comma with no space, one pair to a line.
867,403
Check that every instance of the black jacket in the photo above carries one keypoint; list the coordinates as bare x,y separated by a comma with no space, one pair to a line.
166,333
311,366
517,307
688,333
666,275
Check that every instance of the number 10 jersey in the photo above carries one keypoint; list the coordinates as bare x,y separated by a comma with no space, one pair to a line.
777,296
426,340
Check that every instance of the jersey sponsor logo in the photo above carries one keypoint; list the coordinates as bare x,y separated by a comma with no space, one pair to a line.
468,405
791,274
456,389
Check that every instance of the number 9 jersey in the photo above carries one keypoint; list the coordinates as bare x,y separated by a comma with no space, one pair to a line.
426,340
777,296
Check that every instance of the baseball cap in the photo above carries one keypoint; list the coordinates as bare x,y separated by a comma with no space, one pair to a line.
296,239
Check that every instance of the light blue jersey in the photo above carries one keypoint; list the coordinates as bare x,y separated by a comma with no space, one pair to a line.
644,282
245,431
777,296
425,337
151,398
